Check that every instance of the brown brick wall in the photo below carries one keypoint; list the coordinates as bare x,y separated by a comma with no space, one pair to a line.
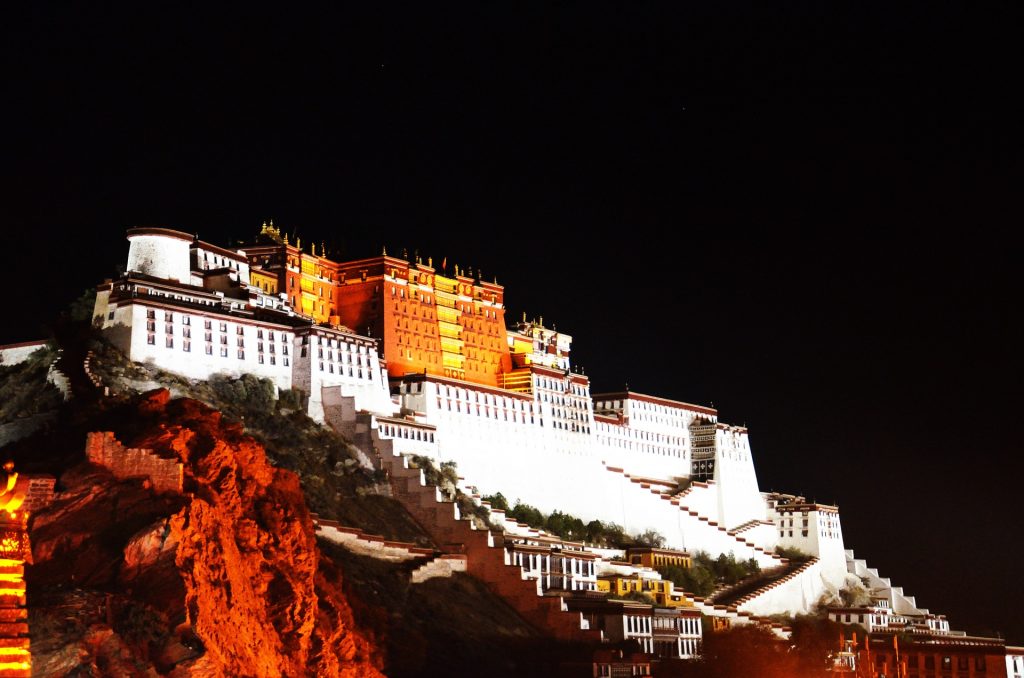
103,449
40,491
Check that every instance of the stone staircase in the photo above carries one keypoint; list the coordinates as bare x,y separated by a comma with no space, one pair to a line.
750,588
483,551
441,566
372,545
705,530
749,525
900,602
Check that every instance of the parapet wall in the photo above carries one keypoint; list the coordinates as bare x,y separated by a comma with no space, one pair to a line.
103,449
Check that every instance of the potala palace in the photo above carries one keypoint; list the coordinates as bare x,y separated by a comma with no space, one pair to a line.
409,357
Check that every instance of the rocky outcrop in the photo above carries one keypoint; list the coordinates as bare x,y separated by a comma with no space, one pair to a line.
247,554
233,556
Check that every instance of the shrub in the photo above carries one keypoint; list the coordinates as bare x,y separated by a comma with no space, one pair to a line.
792,553
497,501
247,394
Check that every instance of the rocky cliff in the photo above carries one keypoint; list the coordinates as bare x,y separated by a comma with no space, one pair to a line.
222,579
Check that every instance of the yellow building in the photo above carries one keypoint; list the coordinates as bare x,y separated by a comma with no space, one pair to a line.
661,591
263,280
655,558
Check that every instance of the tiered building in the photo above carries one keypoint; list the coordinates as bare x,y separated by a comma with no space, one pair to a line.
428,357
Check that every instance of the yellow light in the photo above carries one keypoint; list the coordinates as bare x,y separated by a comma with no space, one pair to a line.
13,666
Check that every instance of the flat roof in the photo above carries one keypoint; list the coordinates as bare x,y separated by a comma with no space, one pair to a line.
667,402
166,232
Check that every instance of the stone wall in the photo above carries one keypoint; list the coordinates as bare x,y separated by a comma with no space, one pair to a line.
103,449
40,491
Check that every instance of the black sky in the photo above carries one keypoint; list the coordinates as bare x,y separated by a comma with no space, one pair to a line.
806,214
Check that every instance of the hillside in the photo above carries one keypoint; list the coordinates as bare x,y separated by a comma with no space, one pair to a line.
227,576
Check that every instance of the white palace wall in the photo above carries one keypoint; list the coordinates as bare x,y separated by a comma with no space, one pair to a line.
739,499
161,254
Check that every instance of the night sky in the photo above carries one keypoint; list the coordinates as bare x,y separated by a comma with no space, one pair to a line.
806,215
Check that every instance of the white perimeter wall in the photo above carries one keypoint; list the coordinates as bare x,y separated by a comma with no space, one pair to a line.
12,355
801,593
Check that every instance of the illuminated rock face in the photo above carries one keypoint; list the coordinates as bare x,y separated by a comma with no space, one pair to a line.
247,554
15,658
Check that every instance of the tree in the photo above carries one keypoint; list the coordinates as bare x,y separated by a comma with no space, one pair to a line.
80,310
497,501
650,538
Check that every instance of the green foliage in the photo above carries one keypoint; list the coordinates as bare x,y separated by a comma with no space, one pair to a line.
497,501
707,573
568,526
636,596
696,580
446,479
530,515
290,399
650,538
247,394
792,553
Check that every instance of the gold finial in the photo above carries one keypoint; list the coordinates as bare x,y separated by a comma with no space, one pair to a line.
264,229
524,316
405,254
285,238
298,243
312,248
384,250
323,249
430,262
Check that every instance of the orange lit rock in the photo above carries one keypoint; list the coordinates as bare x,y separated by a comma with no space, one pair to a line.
247,553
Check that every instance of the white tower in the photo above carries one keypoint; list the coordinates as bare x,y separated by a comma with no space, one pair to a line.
160,252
